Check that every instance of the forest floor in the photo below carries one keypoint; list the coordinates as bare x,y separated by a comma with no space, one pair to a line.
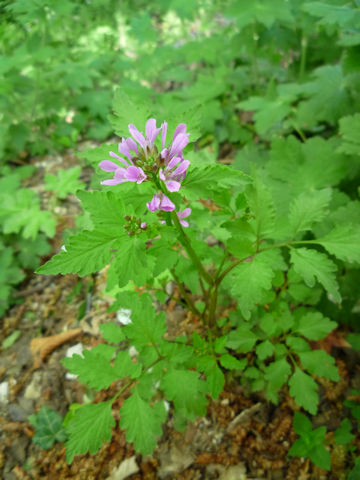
242,436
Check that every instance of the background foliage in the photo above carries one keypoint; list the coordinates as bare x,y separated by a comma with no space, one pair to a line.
272,87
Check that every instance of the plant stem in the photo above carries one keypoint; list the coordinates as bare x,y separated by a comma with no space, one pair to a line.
191,252
187,298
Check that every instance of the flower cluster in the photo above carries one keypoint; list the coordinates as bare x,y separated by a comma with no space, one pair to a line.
141,161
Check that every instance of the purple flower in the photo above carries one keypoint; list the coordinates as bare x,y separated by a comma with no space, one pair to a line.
181,215
160,202
174,173
121,175
151,133
179,142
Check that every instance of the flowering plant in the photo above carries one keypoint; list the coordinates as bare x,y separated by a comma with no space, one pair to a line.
245,267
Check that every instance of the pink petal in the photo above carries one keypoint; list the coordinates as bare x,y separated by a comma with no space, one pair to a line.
166,204
163,134
184,223
151,130
135,174
139,137
108,166
132,145
143,225
173,186
174,161
185,213
114,155
161,175
124,149
181,128
179,143
154,204
182,167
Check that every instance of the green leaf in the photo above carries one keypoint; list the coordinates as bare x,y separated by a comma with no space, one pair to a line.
88,429
311,264
145,328
130,263
11,339
354,340
302,425
297,345
261,205
314,326
126,112
307,209
264,349
106,209
215,380
343,242
142,422
349,130
276,374
343,435
242,340
231,363
48,428
21,211
304,390
64,182
318,362
93,368
339,15
201,182
185,389
112,333
250,283
87,252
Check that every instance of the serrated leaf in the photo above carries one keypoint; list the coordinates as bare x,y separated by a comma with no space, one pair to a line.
126,112
261,204
185,389
145,328
112,333
302,425
314,326
88,429
311,264
264,349
129,263
349,130
250,283
304,390
48,428
343,242
307,209
340,15
343,435
231,363
21,211
64,182
318,362
87,252
277,373
93,368
297,345
215,380
202,182
142,422
106,209
242,340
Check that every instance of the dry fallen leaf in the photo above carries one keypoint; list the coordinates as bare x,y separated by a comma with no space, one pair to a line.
42,347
